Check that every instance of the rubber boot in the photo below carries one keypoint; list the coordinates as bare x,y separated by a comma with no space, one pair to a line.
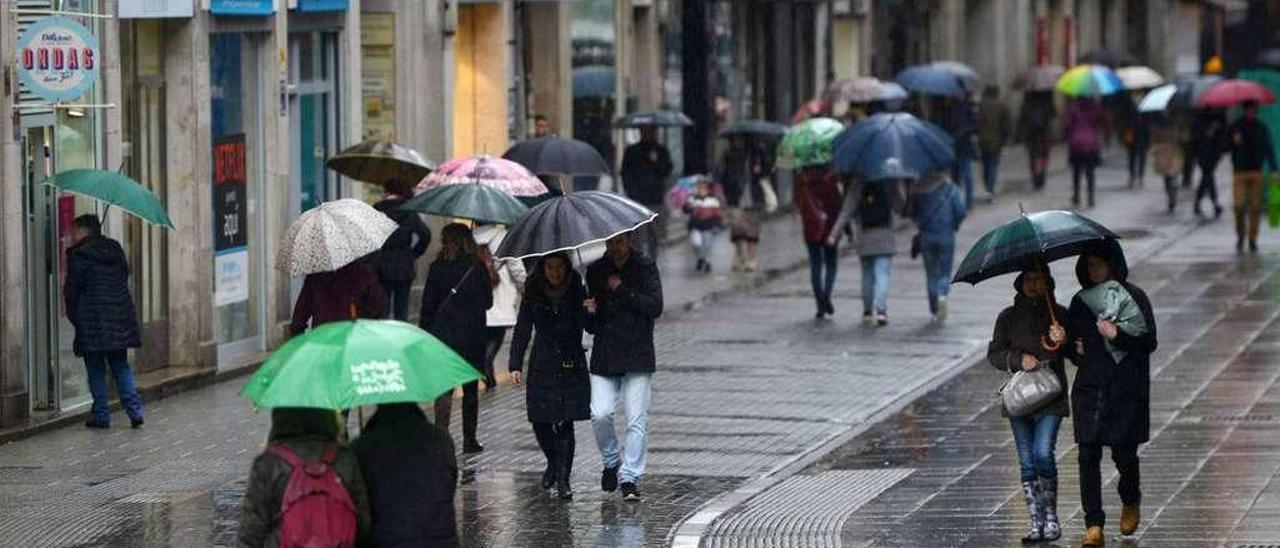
1031,494
1049,507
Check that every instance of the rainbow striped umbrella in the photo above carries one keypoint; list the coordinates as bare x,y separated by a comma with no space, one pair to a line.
1089,81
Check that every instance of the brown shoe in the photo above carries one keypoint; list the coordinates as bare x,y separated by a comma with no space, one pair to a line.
1129,517
1093,537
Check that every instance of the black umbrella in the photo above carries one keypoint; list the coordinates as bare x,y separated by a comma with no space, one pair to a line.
1189,91
571,222
1269,59
1110,58
554,155
754,128
661,118
380,162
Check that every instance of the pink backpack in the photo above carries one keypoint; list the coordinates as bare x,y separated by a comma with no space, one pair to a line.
316,511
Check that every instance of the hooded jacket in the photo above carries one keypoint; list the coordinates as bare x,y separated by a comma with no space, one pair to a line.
624,318
97,297
1018,331
1111,402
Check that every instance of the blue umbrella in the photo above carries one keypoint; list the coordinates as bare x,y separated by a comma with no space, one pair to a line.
593,81
893,145
933,80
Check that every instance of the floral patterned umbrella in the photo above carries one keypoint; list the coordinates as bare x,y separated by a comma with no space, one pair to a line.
504,175
333,235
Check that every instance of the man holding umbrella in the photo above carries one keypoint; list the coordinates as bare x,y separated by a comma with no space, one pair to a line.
1251,152
645,167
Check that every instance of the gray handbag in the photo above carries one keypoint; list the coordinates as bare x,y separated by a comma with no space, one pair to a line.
1028,391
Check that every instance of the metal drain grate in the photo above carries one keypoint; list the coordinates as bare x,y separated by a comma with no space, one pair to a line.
1250,418
802,510
1255,545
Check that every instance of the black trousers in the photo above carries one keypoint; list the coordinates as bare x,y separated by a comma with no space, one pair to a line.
470,410
1087,170
493,345
1126,459
552,437
1208,186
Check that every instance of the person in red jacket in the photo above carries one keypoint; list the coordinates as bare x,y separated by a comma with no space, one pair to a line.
818,200
347,293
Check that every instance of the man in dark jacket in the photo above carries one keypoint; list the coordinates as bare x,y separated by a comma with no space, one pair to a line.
101,310
626,298
395,260
411,472
1251,153
645,168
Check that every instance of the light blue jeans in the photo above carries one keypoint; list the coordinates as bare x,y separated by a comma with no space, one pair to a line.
939,254
636,390
97,364
875,282
1035,438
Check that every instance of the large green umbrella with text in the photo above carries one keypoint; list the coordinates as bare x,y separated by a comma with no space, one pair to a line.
114,189
347,364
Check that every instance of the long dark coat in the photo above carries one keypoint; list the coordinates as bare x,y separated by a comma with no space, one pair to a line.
1017,332
97,297
394,261
1111,401
455,303
557,387
623,322
411,473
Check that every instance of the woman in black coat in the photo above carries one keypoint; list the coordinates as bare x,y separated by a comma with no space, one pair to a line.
558,391
1111,402
455,300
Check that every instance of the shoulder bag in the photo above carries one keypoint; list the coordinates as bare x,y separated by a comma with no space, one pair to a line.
1026,392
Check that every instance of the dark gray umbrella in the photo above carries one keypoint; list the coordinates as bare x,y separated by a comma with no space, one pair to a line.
1110,58
661,118
1269,59
1190,89
754,128
571,222
558,156
379,162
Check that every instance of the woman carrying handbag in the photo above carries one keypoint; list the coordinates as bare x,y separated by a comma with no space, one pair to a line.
1035,412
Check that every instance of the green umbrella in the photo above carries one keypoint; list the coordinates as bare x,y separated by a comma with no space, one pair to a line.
479,203
1033,239
808,143
347,364
116,190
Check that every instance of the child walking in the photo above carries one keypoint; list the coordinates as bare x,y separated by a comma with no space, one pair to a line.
705,217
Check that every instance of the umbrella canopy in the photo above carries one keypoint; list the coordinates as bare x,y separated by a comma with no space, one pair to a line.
754,128
891,91
504,175
1190,89
1157,100
1108,58
340,365
331,236
1035,238
1089,81
381,162
808,143
1230,93
893,146
593,81
482,204
933,80
968,77
1268,59
1139,77
114,189
1042,78
859,89
553,155
661,118
573,221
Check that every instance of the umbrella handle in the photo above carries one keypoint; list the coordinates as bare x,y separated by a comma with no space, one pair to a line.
1053,318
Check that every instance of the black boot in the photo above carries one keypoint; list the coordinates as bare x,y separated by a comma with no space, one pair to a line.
564,468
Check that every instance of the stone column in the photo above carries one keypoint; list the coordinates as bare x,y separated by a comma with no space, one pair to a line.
273,195
551,71
14,398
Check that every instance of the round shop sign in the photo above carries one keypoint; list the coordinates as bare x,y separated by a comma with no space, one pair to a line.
58,59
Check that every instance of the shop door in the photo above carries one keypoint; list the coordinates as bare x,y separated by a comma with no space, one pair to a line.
313,115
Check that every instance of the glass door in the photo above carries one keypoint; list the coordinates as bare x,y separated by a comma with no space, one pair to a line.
313,117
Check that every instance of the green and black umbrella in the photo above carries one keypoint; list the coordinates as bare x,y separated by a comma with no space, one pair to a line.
474,201
1032,240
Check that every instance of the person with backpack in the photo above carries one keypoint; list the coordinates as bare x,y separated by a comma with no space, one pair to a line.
872,206
937,209
395,261
305,489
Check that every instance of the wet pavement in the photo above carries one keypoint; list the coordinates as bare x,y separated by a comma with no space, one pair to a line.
749,387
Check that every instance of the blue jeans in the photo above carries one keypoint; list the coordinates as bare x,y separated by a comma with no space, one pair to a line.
875,282
823,262
397,293
1036,438
962,173
990,170
635,389
97,364
939,254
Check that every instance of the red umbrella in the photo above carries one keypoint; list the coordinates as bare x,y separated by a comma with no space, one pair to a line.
1230,93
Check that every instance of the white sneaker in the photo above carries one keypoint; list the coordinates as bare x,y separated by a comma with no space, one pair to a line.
941,314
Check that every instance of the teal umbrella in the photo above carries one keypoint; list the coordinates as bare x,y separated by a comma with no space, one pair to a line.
114,189
808,143
1033,239
477,202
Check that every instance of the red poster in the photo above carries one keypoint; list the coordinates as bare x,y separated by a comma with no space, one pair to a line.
1042,42
1068,43
66,216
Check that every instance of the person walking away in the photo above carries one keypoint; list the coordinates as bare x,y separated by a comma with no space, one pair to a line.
506,296
100,308
395,261
455,300
994,129
705,218
625,298
305,489
1251,156
347,293
1034,122
818,201
1209,134
742,171
1167,156
1136,134
964,129
1018,344
558,388
1083,141
645,168
873,205
1112,333
937,210
410,471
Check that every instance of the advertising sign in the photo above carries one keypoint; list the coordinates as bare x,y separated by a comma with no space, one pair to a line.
145,9
230,220
242,7
58,59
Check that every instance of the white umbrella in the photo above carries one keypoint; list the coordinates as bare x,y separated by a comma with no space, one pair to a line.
333,235
1139,77
1157,100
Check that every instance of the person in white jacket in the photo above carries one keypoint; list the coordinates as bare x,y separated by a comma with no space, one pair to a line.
506,297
